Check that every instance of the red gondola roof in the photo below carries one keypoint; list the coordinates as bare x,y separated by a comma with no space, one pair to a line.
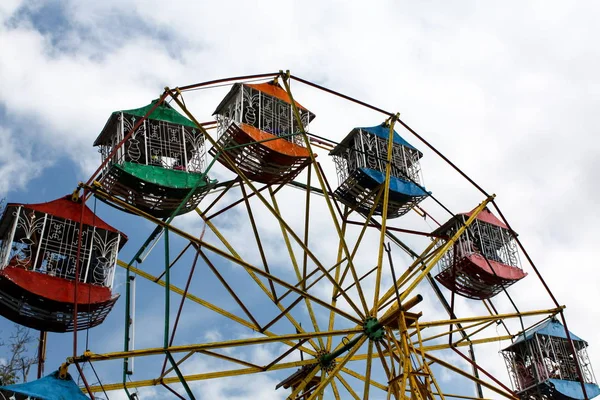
66,208
486,216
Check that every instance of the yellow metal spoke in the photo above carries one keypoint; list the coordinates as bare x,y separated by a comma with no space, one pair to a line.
336,393
208,305
386,199
304,382
307,224
234,167
471,377
368,371
364,379
551,311
290,250
461,344
198,377
90,356
337,368
348,387
326,196
337,279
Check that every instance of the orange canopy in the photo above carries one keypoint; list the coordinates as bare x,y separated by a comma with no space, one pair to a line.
275,90
279,145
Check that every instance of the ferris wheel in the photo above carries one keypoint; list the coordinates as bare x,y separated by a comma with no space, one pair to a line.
319,261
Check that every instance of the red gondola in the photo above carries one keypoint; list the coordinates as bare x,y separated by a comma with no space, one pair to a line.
483,260
38,256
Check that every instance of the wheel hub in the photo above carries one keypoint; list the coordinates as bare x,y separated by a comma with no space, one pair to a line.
373,329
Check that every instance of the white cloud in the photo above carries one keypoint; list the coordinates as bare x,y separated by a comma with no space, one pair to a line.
511,97
18,161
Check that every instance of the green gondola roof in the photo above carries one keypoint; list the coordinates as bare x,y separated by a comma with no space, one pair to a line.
164,112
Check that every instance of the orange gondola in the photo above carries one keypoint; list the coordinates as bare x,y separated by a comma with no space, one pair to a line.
258,132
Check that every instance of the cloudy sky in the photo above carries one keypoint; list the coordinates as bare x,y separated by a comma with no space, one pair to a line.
508,92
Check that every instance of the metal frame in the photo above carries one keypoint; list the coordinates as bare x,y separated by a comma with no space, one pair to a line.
495,244
156,143
57,244
543,357
404,358
366,150
263,111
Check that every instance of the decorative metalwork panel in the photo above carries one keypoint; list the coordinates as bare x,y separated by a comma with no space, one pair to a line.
101,269
264,112
559,362
370,151
196,150
495,243
27,234
525,366
545,357
47,244
165,145
491,241
231,112
157,143
341,165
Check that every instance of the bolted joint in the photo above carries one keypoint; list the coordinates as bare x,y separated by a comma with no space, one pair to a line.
373,329
63,370
326,360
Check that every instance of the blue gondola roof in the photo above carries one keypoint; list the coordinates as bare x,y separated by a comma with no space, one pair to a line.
397,185
572,389
382,131
50,387
549,328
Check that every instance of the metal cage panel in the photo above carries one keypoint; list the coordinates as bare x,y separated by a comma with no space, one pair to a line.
47,244
492,242
262,111
482,262
156,143
541,357
367,150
